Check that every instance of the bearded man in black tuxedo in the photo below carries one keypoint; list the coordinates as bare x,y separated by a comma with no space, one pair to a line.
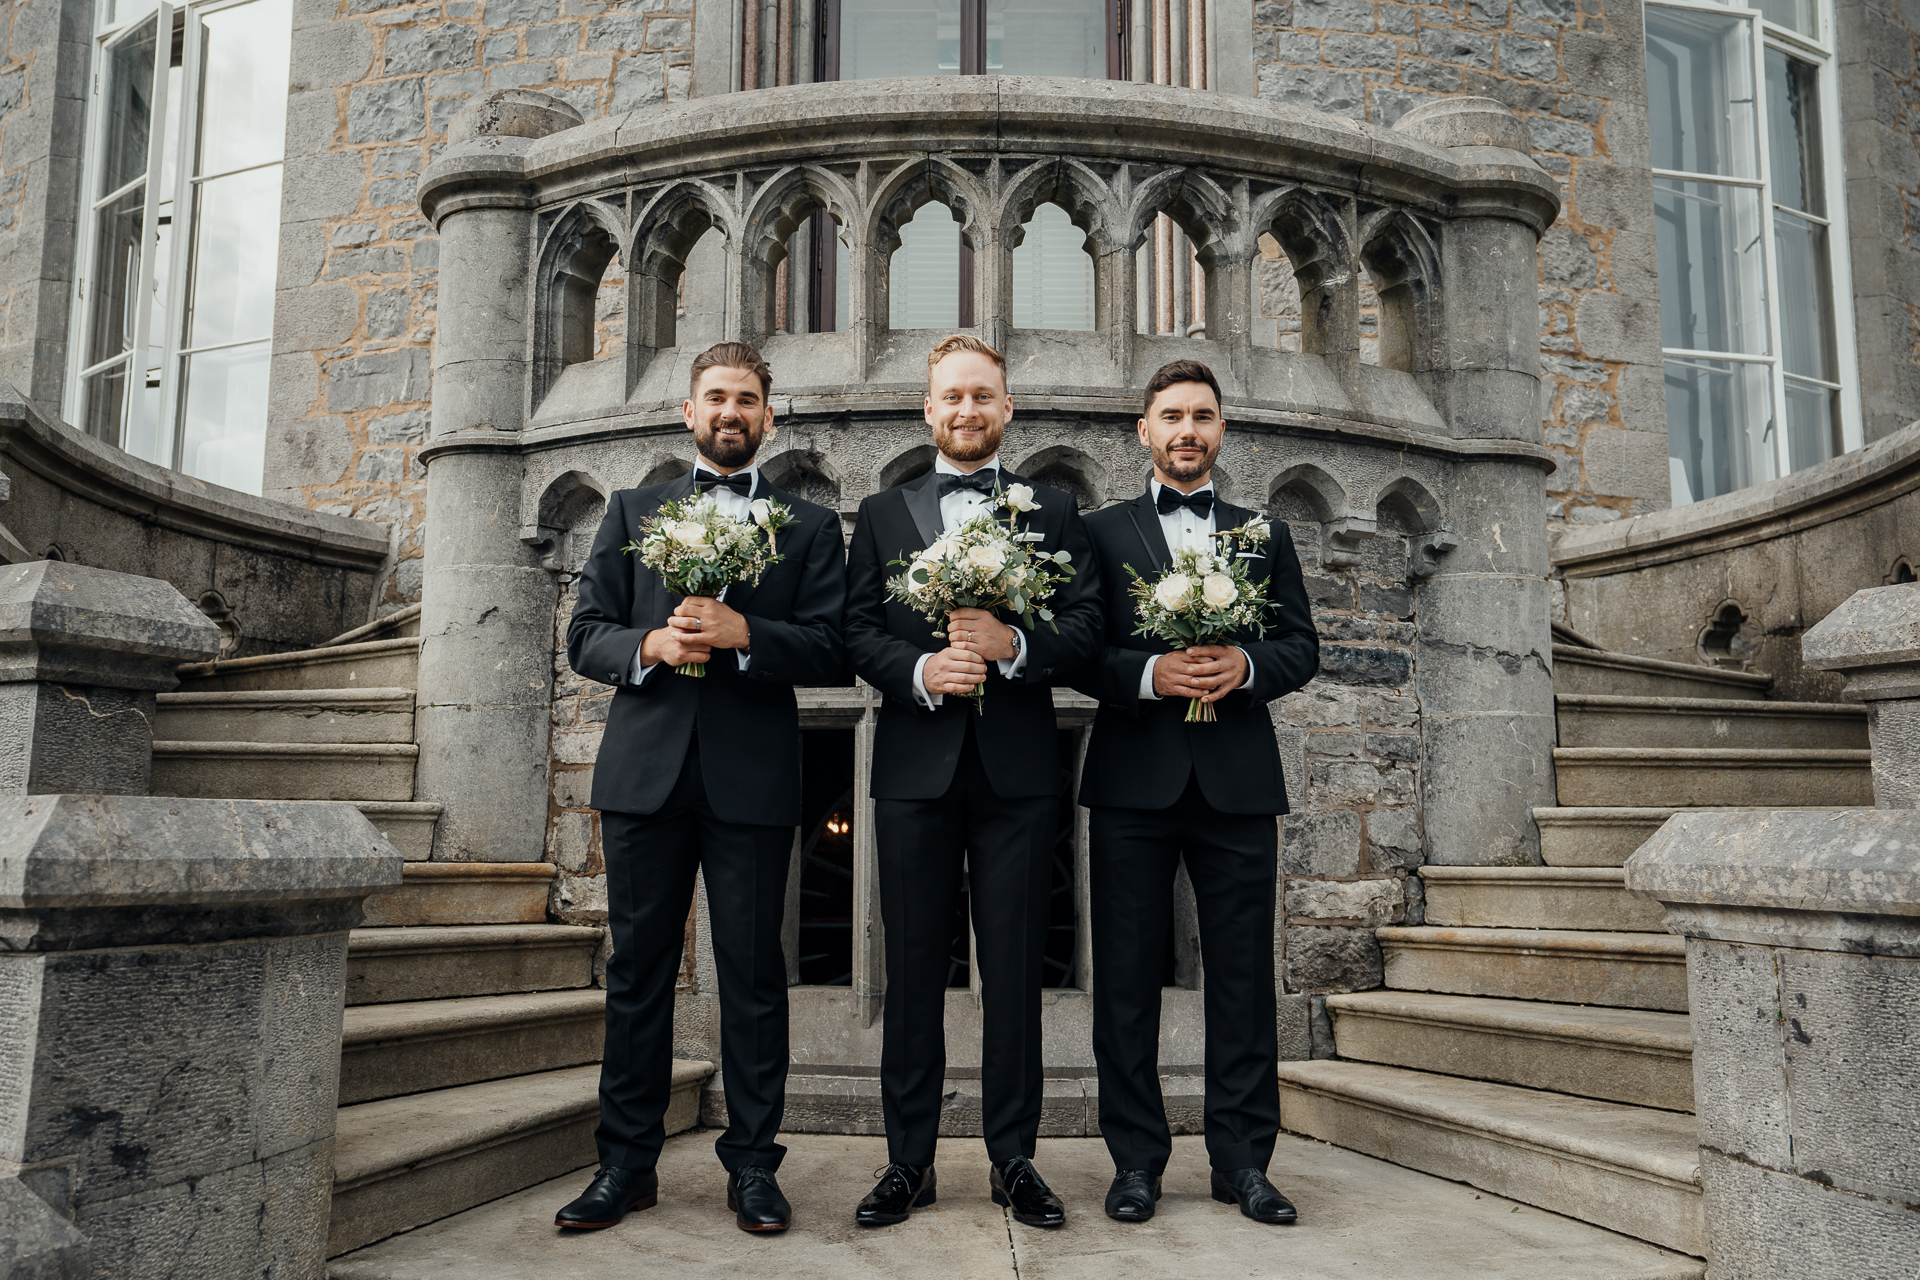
1159,789
957,785
702,774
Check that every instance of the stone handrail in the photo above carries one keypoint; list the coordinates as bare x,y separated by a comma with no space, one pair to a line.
1442,210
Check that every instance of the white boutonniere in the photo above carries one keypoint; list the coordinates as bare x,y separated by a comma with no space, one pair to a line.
1019,499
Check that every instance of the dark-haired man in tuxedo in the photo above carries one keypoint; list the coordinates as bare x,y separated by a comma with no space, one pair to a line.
1160,789
702,774
953,782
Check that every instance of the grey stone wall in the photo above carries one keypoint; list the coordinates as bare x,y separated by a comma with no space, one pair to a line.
1879,63
1575,71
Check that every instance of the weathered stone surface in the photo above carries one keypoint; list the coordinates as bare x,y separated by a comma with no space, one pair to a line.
286,771
1535,898
1588,720
464,893
1331,958
440,962
76,624
388,1050
1698,777
41,1244
511,113
1616,970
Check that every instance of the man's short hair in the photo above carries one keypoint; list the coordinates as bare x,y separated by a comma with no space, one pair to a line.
964,342
1179,371
731,355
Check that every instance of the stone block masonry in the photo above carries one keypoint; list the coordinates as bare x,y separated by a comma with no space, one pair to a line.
374,86
1574,70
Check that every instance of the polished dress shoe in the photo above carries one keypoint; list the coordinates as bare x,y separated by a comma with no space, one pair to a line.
1131,1197
1016,1184
1257,1197
756,1201
611,1195
902,1189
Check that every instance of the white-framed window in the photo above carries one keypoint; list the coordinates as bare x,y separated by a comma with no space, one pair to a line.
179,233
1756,320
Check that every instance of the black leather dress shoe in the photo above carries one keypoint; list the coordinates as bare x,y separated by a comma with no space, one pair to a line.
1017,1185
756,1201
1257,1197
1131,1197
611,1195
902,1189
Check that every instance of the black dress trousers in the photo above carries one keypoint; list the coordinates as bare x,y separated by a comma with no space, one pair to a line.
1231,860
1006,847
651,861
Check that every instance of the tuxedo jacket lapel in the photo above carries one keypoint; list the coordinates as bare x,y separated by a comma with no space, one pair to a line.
740,593
922,497
1146,519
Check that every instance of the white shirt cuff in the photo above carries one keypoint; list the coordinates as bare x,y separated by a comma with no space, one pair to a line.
743,656
640,669
1249,680
1011,667
920,694
1146,679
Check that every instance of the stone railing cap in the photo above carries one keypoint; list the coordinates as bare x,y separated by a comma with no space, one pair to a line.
1877,627
512,113
76,623
67,851
1857,861
1466,122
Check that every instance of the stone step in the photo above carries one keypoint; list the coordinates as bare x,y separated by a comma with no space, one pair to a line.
442,962
1709,777
1615,970
286,715
387,1050
1634,1056
1537,898
1577,670
1630,1169
402,622
1573,836
284,771
1609,720
463,893
371,664
402,1162
407,824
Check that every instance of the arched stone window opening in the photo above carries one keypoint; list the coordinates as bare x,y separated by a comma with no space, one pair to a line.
1312,235
1902,571
797,262
1369,317
681,273
1398,267
566,520
806,474
1173,271
930,271
1408,514
669,469
1730,638
582,311
1055,281
1313,504
1069,469
1278,297
700,311
910,465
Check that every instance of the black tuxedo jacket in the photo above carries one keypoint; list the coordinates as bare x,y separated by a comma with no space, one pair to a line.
749,723
915,749
1143,751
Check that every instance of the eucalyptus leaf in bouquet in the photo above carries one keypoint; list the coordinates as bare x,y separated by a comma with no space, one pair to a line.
698,551
1207,596
984,564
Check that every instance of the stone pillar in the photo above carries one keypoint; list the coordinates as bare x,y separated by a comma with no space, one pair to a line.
172,980
486,605
1803,972
1484,650
1874,638
83,651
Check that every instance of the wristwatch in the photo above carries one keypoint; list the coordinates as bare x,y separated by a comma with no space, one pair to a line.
1016,643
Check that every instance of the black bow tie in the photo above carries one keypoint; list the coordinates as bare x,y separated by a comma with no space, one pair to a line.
741,482
985,480
1171,500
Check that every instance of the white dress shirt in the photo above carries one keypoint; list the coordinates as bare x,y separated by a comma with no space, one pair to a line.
729,504
1183,528
956,509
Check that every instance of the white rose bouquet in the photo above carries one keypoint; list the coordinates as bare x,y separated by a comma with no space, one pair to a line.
1207,596
984,564
699,552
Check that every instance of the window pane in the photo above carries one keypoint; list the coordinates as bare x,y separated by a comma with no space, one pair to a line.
1813,423
1047,38
1052,274
128,107
1712,287
899,38
235,240
224,416
1700,93
923,279
1719,427
1795,15
107,403
1806,297
1793,134
116,275
243,116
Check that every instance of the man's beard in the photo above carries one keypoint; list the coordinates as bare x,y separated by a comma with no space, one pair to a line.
728,451
1183,471
952,447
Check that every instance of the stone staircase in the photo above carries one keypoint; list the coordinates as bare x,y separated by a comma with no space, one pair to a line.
473,1028
1532,1036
